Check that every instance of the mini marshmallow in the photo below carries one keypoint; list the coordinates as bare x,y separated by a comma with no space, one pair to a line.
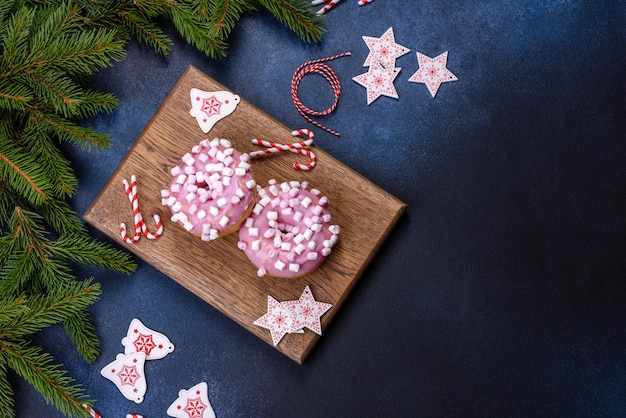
224,221
176,207
299,249
306,202
279,265
228,160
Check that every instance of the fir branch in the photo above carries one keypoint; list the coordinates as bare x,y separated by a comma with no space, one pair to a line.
82,332
14,40
60,216
7,404
65,130
14,95
57,305
146,31
196,31
81,249
55,89
23,251
22,172
37,368
95,102
72,48
225,15
298,15
56,213
51,160
11,310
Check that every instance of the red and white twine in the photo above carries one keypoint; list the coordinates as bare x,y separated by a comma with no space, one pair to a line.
317,66
140,225
296,147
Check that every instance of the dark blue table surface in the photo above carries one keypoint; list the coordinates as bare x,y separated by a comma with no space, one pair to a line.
501,291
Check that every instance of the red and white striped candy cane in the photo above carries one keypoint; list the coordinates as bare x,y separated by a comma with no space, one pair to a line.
140,225
317,66
157,218
132,197
93,413
328,4
134,416
362,2
296,147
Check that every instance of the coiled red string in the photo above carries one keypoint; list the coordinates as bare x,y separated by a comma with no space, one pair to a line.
317,66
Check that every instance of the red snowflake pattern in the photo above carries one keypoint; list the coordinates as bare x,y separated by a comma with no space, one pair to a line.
211,106
128,375
144,343
195,407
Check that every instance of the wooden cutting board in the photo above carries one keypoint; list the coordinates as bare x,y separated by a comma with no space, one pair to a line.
217,271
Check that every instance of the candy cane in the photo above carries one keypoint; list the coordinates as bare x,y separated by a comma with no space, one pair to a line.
93,413
156,216
136,214
296,147
362,2
317,66
134,416
329,4
140,225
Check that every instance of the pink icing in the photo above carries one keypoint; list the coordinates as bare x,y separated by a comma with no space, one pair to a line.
290,231
211,189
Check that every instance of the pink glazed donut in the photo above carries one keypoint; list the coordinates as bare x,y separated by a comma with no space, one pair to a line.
212,190
290,231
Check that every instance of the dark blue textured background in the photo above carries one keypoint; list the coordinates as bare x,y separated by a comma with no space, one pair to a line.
501,292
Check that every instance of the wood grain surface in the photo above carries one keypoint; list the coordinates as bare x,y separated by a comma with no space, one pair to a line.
217,271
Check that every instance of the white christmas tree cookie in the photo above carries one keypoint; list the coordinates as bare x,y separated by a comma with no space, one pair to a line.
127,372
193,402
141,338
209,107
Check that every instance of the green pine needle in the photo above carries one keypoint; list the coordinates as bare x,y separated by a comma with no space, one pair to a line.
38,368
